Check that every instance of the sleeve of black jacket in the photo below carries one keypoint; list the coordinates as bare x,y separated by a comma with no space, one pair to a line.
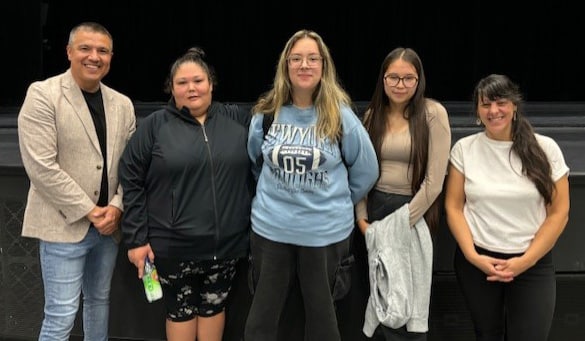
133,169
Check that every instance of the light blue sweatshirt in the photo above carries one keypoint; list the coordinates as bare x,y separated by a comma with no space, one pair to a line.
305,193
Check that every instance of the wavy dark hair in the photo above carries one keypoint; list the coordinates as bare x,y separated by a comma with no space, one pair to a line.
535,164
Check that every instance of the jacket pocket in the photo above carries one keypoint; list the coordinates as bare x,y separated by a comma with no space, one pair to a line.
390,290
342,282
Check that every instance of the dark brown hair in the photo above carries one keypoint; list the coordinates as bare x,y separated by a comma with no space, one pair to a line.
376,121
193,55
535,164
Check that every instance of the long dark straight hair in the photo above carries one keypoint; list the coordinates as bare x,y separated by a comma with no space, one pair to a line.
376,121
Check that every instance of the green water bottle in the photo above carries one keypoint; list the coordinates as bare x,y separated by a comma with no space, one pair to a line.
151,284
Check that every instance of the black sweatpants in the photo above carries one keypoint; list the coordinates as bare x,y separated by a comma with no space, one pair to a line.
521,309
275,268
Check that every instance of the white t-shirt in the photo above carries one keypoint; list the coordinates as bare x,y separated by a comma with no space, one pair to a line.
503,208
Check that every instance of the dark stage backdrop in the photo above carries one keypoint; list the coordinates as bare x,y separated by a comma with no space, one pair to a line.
540,46
132,318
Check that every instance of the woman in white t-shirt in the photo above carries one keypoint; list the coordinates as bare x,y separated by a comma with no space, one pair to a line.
507,202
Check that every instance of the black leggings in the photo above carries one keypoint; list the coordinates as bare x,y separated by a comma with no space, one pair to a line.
275,268
520,310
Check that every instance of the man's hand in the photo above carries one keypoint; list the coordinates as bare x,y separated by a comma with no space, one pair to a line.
105,219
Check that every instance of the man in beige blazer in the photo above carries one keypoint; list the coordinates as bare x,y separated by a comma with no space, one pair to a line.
72,130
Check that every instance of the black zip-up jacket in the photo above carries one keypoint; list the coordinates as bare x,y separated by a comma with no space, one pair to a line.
187,186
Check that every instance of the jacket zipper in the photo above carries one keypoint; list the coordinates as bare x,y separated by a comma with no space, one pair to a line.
213,190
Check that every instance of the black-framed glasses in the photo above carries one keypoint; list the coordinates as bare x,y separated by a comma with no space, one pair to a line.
408,81
296,60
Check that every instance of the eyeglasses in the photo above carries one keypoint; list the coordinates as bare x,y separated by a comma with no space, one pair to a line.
296,60
408,81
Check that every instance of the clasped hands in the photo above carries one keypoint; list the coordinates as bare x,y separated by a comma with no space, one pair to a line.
105,219
501,270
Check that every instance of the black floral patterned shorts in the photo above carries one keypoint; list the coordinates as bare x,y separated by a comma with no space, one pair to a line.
195,288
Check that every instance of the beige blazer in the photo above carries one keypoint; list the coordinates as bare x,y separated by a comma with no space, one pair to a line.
61,155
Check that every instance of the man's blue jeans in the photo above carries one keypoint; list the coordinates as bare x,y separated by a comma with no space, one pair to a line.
69,269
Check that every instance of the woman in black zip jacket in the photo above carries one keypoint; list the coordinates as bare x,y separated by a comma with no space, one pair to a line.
186,180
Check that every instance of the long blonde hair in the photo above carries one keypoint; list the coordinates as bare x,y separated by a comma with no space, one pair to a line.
328,97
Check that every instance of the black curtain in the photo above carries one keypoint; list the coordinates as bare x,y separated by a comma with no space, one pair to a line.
539,47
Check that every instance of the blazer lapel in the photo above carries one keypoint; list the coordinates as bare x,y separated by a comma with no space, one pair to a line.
73,94
112,123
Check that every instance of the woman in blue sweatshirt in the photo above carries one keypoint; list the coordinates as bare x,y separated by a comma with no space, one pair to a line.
315,162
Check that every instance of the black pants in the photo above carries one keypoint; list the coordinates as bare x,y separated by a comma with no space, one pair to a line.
275,268
519,310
